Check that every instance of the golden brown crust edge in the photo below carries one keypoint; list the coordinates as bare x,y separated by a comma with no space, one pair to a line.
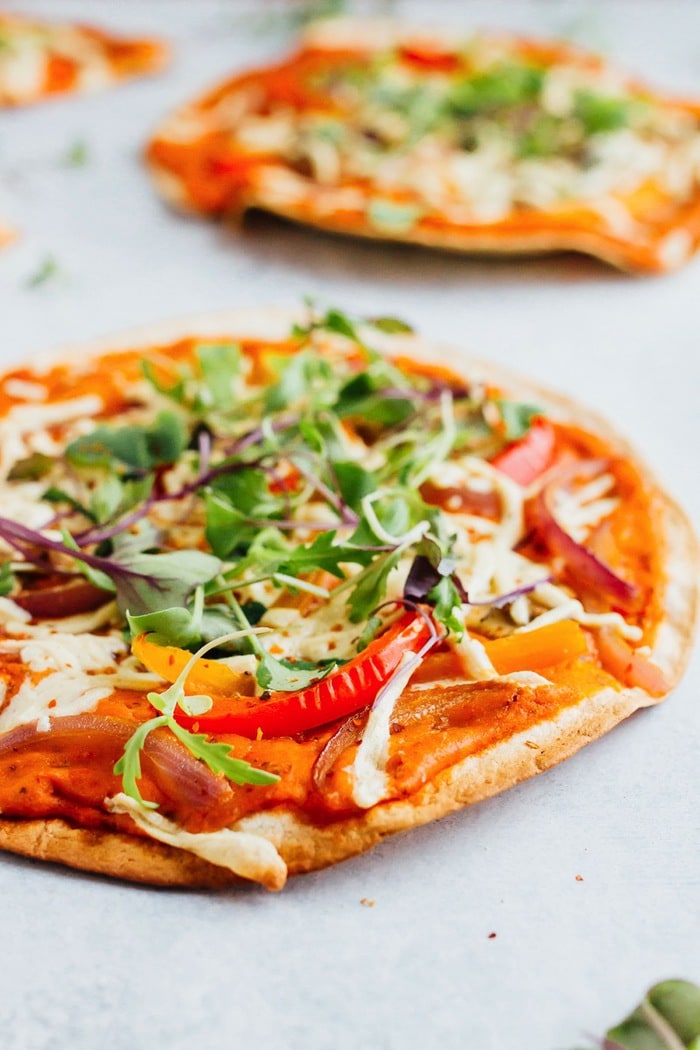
306,847
659,254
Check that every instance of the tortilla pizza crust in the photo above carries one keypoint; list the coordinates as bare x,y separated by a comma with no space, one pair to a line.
282,192
301,844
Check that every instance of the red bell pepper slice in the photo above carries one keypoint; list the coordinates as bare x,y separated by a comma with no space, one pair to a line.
342,693
527,458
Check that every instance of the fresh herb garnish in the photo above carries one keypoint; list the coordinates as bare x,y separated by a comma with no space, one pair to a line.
218,757
48,270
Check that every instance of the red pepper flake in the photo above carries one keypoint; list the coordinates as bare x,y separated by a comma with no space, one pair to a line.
491,936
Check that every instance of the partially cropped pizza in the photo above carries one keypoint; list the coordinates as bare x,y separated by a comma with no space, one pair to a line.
275,588
494,144
40,59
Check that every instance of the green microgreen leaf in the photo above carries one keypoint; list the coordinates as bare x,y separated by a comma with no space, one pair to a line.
278,677
517,417
369,632
668,1018
7,579
77,154
502,87
354,482
227,528
32,468
305,378
370,585
390,325
322,553
248,492
601,113
175,390
172,626
447,605
48,270
219,365
362,397
393,217
134,447
144,582
54,494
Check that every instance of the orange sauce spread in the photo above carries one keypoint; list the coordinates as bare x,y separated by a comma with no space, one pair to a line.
68,772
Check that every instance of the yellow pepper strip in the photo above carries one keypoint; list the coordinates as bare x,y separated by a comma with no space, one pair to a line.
207,676
531,650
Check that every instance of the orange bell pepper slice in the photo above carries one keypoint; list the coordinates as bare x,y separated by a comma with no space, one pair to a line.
207,676
532,650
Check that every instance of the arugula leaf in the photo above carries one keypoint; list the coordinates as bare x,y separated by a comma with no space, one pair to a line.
322,553
370,586
219,758
7,579
129,765
216,756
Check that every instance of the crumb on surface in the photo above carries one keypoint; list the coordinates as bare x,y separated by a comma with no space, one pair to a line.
579,878
367,902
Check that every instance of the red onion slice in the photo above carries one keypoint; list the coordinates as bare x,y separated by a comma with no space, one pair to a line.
181,777
62,599
587,570
345,735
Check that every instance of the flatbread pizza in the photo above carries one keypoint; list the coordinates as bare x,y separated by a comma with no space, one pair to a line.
494,144
41,59
275,587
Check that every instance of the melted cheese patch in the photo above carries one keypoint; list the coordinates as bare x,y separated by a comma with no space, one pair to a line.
241,852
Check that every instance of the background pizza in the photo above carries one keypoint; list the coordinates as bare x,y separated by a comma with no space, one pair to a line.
489,143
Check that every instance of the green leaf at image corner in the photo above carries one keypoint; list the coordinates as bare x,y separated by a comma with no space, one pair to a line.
668,1018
